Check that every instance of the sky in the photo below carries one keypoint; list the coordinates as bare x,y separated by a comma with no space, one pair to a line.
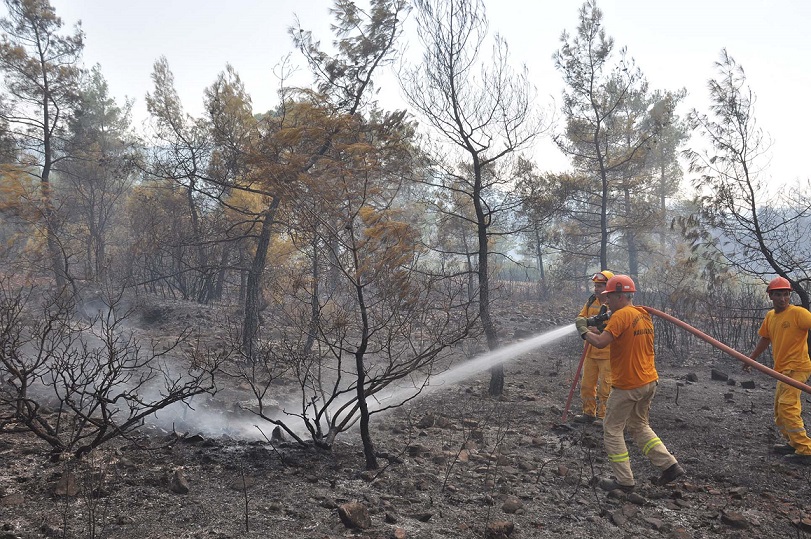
675,43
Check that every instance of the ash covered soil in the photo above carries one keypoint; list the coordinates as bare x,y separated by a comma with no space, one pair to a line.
455,463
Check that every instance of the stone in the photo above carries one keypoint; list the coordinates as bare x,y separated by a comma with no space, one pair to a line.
734,519
178,483
354,515
719,376
738,492
619,518
67,485
654,523
512,505
636,498
240,482
426,421
499,529
629,511
193,439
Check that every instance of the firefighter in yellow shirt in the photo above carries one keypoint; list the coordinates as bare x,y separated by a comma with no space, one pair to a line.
629,334
596,382
786,327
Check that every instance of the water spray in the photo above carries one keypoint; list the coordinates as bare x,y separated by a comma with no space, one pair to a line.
465,370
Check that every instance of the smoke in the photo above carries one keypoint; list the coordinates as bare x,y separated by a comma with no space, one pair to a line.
226,414
206,415
232,412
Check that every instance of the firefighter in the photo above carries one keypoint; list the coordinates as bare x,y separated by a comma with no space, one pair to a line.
786,327
596,382
629,334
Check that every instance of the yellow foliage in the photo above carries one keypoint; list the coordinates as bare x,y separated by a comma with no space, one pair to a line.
389,244
18,191
247,202
358,148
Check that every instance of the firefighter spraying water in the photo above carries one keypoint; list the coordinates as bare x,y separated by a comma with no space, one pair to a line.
634,379
628,334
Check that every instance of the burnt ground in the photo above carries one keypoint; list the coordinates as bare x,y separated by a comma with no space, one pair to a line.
454,464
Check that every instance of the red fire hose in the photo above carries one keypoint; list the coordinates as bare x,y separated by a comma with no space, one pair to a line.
724,348
574,381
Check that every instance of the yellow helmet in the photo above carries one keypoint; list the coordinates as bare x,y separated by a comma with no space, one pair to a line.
602,277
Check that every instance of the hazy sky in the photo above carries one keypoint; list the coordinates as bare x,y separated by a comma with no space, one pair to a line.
675,43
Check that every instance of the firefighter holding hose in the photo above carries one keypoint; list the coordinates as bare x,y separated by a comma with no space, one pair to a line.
786,328
629,336
596,382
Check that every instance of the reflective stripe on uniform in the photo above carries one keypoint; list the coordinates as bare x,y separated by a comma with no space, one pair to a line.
653,442
619,457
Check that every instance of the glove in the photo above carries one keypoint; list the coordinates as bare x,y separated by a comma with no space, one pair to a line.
582,326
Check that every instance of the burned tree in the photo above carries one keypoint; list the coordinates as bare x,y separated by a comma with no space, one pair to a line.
483,112
77,382
747,227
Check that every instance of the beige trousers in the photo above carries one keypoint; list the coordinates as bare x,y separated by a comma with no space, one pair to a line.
629,408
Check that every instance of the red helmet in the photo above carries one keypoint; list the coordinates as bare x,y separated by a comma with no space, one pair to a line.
620,283
602,277
778,283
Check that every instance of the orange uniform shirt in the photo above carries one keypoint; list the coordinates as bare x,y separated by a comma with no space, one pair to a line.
592,308
788,333
632,358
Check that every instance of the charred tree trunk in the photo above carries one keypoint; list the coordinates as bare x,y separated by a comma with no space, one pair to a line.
483,222
253,287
